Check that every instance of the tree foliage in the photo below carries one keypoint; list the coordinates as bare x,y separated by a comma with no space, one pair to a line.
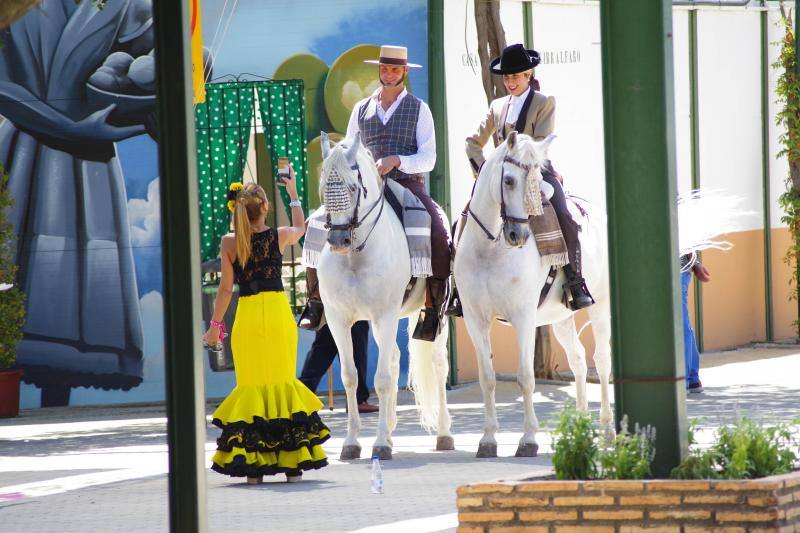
12,301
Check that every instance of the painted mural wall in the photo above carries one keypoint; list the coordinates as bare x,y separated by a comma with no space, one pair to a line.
77,137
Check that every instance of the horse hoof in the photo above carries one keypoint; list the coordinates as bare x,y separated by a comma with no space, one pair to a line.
445,442
486,450
350,451
529,449
384,453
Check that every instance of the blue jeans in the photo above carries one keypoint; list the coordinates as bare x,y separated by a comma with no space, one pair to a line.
691,355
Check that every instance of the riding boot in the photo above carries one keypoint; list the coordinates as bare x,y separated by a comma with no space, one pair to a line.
454,302
311,317
576,294
430,321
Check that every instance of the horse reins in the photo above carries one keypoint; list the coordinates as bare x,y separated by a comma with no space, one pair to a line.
503,216
354,222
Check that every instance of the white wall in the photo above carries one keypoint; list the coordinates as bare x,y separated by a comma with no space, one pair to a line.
778,167
568,39
682,89
729,98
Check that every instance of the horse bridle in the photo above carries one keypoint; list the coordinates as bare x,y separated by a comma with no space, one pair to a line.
503,215
354,222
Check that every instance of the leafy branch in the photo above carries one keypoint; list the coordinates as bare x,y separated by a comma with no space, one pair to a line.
788,90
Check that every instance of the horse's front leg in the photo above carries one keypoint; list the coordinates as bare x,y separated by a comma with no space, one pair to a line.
600,316
567,336
340,330
384,329
526,338
478,329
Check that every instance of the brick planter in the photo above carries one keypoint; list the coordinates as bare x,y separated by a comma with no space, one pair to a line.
528,505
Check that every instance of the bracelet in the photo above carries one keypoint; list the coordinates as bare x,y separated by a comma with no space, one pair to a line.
221,328
295,203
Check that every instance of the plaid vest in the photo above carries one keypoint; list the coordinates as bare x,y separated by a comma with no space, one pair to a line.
397,137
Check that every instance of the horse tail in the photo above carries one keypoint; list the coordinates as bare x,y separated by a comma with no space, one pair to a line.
427,372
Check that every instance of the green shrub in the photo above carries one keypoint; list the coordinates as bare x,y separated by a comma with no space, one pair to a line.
575,445
630,454
12,301
744,450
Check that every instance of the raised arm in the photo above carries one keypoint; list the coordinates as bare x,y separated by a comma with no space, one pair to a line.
288,235
22,108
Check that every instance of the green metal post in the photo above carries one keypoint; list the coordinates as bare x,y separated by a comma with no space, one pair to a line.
765,66
796,40
694,118
440,176
181,263
640,190
527,23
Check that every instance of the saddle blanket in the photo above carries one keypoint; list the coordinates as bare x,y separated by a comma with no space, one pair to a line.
548,236
416,222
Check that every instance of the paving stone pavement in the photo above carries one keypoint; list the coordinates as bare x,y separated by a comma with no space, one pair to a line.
104,468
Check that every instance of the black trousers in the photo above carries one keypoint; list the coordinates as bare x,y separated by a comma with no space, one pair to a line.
568,226
323,351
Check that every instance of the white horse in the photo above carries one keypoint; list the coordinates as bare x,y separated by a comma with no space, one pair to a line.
363,273
503,277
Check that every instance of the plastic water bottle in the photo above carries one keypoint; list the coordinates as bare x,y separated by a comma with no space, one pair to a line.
377,476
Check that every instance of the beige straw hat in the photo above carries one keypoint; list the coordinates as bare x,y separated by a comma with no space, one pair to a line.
393,55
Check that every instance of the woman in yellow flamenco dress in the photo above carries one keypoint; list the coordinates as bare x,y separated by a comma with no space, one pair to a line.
269,421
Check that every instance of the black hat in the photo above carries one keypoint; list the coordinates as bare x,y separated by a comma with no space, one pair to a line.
515,59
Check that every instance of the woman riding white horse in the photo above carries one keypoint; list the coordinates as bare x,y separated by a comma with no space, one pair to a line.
503,278
363,273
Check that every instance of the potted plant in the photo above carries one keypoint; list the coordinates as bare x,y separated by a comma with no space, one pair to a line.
745,481
12,309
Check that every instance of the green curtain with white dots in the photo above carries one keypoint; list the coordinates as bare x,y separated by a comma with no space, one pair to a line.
224,125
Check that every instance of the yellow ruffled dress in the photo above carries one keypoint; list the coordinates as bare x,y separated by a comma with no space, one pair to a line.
269,422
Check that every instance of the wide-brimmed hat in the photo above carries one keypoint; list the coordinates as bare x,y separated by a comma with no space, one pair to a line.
515,58
393,55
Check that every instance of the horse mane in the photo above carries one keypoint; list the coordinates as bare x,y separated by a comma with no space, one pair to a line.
527,146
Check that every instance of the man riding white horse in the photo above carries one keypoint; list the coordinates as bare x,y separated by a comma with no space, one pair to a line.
397,127
528,111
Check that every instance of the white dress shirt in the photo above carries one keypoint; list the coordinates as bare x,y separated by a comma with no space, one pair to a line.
515,106
425,158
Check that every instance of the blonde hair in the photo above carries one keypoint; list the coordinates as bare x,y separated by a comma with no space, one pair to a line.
248,210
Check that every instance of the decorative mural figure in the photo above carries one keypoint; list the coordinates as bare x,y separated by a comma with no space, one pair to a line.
76,77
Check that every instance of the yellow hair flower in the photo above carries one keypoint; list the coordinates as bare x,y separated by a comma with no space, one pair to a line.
233,191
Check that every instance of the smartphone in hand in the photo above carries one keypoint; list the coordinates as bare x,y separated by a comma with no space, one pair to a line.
283,168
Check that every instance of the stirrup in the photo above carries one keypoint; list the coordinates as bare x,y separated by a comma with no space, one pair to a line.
428,325
454,305
576,295
311,317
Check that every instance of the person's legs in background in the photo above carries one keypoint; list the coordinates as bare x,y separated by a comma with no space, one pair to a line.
360,334
320,357
691,354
